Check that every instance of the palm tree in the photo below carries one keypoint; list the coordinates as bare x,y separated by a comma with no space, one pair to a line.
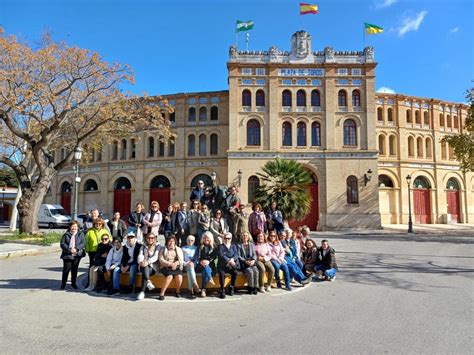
285,182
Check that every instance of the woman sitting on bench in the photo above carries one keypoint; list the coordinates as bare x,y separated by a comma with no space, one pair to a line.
228,264
171,265
207,257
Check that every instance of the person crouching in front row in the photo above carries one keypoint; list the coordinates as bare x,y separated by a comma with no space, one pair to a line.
327,267
148,261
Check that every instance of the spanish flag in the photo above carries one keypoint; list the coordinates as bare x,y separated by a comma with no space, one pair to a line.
308,9
372,29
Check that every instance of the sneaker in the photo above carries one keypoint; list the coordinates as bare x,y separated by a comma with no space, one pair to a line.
212,283
268,288
203,293
150,286
332,278
141,296
261,289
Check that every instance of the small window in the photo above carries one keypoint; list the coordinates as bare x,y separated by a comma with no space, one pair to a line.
315,98
379,114
203,114
315,134
452,184
301,134
123,156
133,148
352,190
171,147
350,133
214,144
115,150
90,185
192,115
428,148
426,118
382,145
246,98
385,181
301,98
253,133
417,117
161,147
408,116
455,122
253,184
390,114
392,145
356,98
441,120
214,113
151,147
419,147
202,145
342,98
411,147
286,134
260,98
286,98
191,145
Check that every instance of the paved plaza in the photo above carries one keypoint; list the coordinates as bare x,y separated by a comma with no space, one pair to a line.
394,294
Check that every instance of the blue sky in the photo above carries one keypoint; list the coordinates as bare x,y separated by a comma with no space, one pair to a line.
182,46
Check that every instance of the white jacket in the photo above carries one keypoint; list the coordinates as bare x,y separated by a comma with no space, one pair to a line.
114,257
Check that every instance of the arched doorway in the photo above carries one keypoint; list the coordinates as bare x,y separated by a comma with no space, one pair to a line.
422,200
66,189
387,199
122,196
452,198
160,191
312,219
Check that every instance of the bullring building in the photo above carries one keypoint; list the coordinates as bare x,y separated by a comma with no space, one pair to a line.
317,107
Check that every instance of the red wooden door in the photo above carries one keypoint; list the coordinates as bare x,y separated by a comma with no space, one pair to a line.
422,206
162,195
122,202
452,196
312,219
66,202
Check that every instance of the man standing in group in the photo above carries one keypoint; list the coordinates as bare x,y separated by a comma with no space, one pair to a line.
181,224
198,192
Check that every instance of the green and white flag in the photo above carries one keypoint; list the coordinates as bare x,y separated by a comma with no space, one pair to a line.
243,26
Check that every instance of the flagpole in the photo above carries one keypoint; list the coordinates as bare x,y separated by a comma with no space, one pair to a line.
363,34
247,36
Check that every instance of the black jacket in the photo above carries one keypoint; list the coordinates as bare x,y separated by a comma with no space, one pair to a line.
126,256
135,218
99,260
80,245
329,260
225,254
207,253
121,229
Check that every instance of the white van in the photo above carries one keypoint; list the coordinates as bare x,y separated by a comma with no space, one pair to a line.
53,216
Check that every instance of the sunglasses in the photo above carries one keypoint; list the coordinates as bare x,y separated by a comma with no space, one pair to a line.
104,239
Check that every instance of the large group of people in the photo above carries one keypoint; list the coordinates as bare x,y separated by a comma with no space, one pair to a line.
209,238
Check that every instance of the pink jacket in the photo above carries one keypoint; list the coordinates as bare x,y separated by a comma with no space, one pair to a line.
263,250
277,252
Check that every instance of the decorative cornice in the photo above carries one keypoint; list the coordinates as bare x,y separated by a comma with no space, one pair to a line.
306,155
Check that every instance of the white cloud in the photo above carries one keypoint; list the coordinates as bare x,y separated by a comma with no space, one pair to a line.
386,90
411,23
381,4
454,29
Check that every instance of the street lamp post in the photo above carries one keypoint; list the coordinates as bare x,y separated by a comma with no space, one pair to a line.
410,222
77,158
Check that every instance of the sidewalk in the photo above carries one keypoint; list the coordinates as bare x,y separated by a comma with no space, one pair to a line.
11,250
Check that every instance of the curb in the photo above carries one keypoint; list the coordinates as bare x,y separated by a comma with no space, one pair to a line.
31,252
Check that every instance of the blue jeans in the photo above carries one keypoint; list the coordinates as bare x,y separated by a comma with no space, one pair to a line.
116,278
206,275
328,272
295,270
286,273
299,263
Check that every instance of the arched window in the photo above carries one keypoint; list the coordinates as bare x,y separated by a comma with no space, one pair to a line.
350,132
191,145
192,115
203,114
161,147
122,183
253,184
151,147
392,144
451,152
260,98
382,150
99,153
428,148
171,147
214,144
380,114
115,150
441,120
408,116
385,181
315,98
286,134
455,122
417,117
66,187
390,114
246,98
421,183
214,113
90,185
426,118
206,179
352,190
452,184
301,98
160,182
342,98
356,98
411,146
448,121
133,148
202,145
253,133
444,154
286,98
301,134
419,147
315,134
123,156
